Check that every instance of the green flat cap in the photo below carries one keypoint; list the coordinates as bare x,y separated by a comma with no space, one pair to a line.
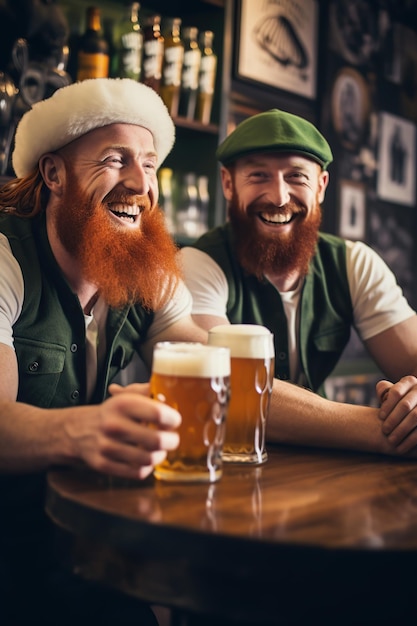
275,131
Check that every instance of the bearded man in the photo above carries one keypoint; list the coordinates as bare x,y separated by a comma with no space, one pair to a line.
89,275
269,264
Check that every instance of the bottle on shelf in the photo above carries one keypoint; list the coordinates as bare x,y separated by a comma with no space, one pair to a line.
128,44
207,77
172,65
189,218
203,201
153,52
93,56
166,196
190,71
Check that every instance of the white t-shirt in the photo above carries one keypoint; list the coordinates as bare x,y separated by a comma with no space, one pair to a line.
377,299
11,300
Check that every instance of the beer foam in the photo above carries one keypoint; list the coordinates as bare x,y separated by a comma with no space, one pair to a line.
244,340
190,359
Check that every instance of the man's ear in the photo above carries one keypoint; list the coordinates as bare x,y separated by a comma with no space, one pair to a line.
52,169
227,183
323,182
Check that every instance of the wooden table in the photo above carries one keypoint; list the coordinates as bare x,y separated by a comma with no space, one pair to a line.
312,536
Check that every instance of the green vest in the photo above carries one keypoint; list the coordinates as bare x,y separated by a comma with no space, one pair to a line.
50,347
326,313
50,332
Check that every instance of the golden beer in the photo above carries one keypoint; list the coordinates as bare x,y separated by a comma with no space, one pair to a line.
252,373
194,379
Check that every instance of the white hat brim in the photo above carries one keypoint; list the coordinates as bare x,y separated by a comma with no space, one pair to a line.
76,109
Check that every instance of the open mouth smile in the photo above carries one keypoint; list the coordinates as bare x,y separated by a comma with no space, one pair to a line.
125,212
277,218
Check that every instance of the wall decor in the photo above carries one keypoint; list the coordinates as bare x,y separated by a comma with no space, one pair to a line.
354,30
408,96
396,172
352,210
392,53
277,44
350,107
391,235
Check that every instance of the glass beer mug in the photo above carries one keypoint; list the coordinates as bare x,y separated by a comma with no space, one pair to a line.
252,372
194,379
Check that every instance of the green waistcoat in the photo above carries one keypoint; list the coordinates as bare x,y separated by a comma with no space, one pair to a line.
50,347
50,332
326,313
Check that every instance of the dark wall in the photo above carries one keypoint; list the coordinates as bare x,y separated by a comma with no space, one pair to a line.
369,114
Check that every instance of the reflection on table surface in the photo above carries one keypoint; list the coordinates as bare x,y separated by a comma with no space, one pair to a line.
307,497
341,527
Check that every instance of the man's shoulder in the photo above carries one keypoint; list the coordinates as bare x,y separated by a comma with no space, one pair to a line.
214,238
330,256
327,239
331,249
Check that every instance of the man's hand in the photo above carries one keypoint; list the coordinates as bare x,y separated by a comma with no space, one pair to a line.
398,412
115,437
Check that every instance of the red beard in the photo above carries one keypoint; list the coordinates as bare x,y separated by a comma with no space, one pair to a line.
127,266
262,255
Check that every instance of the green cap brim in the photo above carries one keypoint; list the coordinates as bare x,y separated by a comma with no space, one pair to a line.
275,131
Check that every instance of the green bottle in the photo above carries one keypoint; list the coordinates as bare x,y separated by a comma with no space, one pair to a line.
207,78
190,72
128,44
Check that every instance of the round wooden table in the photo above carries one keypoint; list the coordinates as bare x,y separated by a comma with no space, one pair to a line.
311,536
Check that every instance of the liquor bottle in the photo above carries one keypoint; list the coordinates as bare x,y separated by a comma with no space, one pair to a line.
190,72
93,56
153,52
207,77
172,65
188,215
166,200
203,201
128,44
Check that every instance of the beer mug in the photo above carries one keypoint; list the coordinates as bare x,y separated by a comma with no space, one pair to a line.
252,373
194,379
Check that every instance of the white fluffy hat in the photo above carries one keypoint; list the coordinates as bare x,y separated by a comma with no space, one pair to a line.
74,110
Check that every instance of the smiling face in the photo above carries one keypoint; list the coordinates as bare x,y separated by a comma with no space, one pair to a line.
116,165
106,216
274,208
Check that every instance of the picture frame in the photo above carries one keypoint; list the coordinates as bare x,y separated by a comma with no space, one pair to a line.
396,180
350,107
352,210
354,31
277,45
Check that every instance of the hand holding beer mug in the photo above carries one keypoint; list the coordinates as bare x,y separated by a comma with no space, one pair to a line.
194,379
252,372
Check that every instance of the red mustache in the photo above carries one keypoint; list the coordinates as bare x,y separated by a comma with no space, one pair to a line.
117,197
270,207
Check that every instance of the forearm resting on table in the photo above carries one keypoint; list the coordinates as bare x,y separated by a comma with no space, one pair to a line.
31,439
300,417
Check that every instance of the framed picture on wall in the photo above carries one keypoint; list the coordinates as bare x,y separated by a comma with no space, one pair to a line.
396,181
354,30
277,44
350,107
352,210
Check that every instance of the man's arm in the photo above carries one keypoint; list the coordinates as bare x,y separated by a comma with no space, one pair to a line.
113,437
8,373
185,329
300,417
395,349
395,352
